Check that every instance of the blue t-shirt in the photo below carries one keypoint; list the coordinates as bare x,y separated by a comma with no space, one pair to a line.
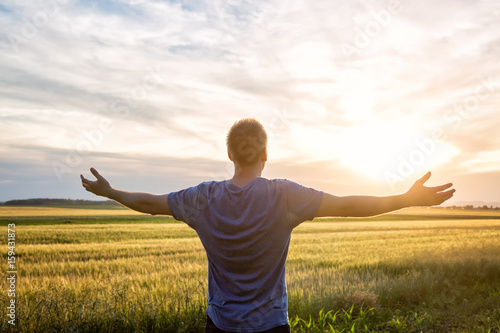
246,234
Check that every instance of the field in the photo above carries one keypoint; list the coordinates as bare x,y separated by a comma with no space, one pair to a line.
98,270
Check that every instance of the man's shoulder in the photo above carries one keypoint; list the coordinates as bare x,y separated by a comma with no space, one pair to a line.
281,184
282,181
211,185
203,186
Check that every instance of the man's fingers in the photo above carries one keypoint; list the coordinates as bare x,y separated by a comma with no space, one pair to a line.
96,174
87,184
447,194
443,196
450,192
425,178
442,187
85,181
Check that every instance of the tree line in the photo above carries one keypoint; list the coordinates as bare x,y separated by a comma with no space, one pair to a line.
59,202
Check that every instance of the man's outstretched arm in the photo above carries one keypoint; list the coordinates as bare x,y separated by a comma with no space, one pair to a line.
360,206
142,202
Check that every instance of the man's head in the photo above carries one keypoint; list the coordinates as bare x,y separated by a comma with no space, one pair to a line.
246,142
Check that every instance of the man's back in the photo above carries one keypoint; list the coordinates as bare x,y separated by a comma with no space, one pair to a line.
246,233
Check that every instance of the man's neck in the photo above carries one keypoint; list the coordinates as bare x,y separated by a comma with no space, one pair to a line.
245,174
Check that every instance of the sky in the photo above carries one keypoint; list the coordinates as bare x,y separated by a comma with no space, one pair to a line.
358,97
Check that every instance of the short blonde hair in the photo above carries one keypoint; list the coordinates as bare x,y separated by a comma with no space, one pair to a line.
246,140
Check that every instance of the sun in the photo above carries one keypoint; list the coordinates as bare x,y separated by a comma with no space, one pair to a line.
375,144
389,149
382,145
380,149
371,148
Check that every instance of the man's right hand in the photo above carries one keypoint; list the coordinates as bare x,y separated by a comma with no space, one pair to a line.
99,187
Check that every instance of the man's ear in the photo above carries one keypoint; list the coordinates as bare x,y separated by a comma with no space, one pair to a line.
229,155
264,155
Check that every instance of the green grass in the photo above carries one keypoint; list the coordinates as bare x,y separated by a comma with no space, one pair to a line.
142,273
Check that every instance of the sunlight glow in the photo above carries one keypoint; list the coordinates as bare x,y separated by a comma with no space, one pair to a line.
378,147
371,148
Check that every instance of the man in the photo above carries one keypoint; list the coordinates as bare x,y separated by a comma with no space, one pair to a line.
245,224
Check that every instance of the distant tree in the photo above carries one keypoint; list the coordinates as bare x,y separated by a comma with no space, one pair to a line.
59,202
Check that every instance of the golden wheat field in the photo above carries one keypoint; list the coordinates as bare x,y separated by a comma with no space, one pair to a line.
112,270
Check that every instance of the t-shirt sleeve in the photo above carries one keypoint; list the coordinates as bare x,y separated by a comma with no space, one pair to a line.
303,203
187,204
